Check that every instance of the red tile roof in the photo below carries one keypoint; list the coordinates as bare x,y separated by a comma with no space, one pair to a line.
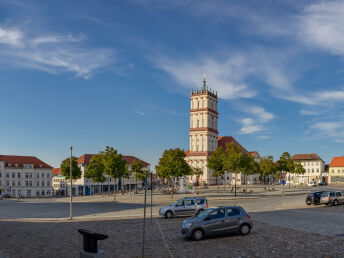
187,152
307,156
86,158
21,160
223,140
57,171
337,162
253,153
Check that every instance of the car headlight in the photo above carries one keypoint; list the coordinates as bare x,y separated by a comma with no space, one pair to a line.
187,224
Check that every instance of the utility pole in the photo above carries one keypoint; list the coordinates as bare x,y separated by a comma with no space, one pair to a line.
151,197
71,185
144,218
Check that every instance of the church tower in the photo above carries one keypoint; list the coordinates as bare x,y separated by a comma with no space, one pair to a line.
203,129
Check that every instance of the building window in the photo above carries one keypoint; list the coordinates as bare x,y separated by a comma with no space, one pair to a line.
19,175
19,183
317,170
42,175
37,183
13,175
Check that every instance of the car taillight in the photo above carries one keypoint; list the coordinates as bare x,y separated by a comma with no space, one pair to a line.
207,205
248,216
328,198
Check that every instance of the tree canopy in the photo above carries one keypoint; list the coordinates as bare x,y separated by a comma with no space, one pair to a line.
95,170
65,168
267,167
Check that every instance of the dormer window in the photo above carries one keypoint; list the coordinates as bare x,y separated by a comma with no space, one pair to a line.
40,166
9,164
16,165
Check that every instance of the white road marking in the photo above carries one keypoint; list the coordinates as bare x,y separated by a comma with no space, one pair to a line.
163,237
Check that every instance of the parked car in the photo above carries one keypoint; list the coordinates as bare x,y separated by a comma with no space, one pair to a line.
5,196
313,198
186,206
312,184
332,197
323,183
215,221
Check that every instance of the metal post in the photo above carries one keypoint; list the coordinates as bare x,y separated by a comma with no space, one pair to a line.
151,197
71,185
144,219
283,193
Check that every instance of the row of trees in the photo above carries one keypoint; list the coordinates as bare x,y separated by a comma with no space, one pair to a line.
232,159
108,162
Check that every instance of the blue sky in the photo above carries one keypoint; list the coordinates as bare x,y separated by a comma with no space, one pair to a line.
95,73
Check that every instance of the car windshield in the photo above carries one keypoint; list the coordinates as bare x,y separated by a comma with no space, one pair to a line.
205,213
310,195
324,194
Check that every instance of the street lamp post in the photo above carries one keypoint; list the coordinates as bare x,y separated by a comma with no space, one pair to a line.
71,185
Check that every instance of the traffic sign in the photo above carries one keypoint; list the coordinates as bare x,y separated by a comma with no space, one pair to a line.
283,182
283,175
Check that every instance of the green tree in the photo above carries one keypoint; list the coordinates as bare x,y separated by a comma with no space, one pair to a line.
197,172
95,170
172,164
248,166
65,169
137,169
114,165
298,168
216,163
267,167
233,161
286,164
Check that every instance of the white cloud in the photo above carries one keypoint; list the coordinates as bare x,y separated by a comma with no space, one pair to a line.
255,123
322,25
329,129
10,36
317,97
52,53
140,113
249,129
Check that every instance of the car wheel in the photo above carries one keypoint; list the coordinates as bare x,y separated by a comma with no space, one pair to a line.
244,229
197,235
199,211
308,203
335,202
168,214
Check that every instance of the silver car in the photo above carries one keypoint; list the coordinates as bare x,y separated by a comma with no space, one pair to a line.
215,221
332,197
185,207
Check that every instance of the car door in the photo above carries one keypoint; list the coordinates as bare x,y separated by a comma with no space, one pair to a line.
214,223
232,219
339,197
190,207
179,208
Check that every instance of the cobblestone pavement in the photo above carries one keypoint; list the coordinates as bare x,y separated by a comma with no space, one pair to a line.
60,239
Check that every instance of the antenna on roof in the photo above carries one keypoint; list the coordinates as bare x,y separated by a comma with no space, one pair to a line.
204,82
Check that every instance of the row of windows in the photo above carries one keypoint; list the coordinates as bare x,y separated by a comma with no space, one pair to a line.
28,192
197,104
338,170
26,175
27,183
310,163
312,170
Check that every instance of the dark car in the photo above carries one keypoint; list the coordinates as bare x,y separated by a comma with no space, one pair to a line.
323,183
215,221
313,198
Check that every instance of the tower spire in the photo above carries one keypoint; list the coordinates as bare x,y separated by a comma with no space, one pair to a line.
204,82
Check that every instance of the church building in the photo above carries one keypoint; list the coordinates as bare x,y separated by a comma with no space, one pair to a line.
203,134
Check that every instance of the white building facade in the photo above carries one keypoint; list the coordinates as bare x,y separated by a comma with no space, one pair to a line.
25,176
314,167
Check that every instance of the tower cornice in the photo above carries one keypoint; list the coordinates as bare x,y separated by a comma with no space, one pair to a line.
204,109
204,129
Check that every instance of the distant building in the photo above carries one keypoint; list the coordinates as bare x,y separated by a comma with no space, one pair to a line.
86,186
25,176
313,165
336,170
59,183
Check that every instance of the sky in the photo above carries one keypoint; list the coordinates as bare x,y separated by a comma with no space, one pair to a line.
94,73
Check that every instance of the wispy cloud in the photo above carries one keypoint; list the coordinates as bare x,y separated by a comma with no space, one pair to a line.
52,53
322,26
329,129
140,113
255,123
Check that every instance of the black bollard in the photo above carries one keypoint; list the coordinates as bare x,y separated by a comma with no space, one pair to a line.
90,241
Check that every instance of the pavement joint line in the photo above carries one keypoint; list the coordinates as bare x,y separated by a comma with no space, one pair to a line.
163,237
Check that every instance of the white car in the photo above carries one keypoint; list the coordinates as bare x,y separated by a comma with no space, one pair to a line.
312,184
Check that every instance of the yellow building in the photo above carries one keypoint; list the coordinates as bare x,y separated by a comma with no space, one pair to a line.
336,170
